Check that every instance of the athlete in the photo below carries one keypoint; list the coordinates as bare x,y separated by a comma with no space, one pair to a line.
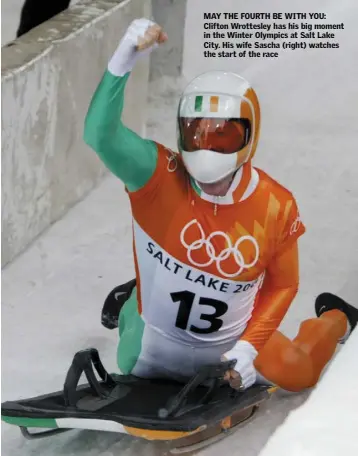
215,238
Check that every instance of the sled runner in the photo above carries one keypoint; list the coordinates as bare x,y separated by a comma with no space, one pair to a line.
187,416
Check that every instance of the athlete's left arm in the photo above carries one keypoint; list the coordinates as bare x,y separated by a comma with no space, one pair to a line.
278,290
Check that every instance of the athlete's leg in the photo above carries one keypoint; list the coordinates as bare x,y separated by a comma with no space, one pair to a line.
131,328
297,364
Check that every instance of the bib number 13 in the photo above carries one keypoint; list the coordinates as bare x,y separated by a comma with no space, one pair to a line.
186,301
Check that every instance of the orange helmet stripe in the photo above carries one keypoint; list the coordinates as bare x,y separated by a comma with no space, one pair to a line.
214,104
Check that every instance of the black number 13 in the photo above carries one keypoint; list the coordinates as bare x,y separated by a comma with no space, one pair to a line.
186,300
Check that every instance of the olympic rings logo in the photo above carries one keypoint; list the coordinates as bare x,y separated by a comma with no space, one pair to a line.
295,225
172,159
224,254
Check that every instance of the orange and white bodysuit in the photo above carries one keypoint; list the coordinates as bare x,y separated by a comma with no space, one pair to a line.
211,271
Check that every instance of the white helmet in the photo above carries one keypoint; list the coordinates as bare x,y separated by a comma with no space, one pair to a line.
218,125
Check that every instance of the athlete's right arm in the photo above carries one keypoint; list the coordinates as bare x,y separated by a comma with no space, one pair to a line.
127,155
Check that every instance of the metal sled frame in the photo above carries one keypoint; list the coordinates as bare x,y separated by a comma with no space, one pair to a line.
204,439
40,435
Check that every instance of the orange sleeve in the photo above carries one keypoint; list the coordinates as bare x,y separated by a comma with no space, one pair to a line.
280,284
278,290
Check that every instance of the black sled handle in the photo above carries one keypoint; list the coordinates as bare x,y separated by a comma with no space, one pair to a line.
83,361
211,374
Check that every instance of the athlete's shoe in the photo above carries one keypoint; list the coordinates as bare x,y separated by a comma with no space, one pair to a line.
114,303
328,301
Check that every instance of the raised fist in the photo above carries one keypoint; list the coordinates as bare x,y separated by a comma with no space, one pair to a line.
141,37
154,34
145,34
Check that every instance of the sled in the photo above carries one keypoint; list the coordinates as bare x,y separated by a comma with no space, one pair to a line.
187,417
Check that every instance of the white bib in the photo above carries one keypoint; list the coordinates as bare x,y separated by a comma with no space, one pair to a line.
186,304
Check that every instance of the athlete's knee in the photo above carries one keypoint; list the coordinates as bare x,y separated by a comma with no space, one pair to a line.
288,367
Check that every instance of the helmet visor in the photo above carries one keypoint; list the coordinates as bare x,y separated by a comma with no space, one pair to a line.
222,135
